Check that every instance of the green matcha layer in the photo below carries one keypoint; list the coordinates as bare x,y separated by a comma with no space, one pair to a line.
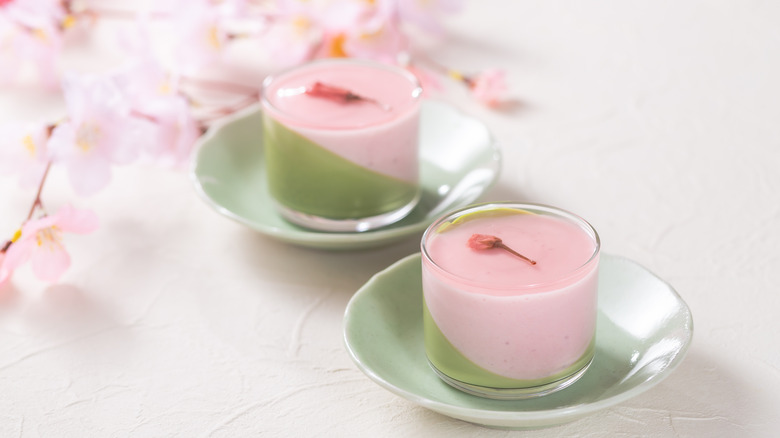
451,362
308,178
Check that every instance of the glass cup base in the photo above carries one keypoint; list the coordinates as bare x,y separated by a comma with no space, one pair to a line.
355,225
513,393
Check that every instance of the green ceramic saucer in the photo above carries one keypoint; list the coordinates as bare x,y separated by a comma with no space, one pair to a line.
458,157
644,329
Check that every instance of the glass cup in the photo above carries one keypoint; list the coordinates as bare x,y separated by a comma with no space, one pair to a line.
510,298
341,144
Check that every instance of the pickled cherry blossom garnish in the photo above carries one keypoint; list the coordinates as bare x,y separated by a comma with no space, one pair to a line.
338,94
481,242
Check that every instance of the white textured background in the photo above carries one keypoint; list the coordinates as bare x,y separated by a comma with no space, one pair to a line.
655,120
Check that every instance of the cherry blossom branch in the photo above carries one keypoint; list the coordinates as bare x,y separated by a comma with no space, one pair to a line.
230,109
37,202
219,85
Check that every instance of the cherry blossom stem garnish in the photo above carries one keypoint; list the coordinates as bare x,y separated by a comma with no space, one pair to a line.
339,94
480,242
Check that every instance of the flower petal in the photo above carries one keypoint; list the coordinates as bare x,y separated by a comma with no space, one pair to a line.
76,221
88,175
18,253
5,273
49,264
61,141
489,87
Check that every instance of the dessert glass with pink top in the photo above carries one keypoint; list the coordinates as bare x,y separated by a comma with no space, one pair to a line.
510,298
341,144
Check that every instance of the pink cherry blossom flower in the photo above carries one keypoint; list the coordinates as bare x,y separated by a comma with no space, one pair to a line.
341,95
153,95
488,87
142,80
426,13
142,77
41,242
100,132
361,30
235,8
383,42
9,62
293,37
337,16
31,33
23,150
33,10
302,30
483,242
175,131
169,129
21,46
197,35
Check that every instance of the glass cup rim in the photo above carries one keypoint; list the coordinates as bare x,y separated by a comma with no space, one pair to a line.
416,93
548,209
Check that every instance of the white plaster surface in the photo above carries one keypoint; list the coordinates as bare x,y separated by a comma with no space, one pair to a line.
655,120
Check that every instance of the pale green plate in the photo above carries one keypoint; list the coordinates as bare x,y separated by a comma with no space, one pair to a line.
644,329
459,161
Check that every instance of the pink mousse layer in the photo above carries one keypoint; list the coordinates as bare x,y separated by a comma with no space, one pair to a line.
515,319
382,137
